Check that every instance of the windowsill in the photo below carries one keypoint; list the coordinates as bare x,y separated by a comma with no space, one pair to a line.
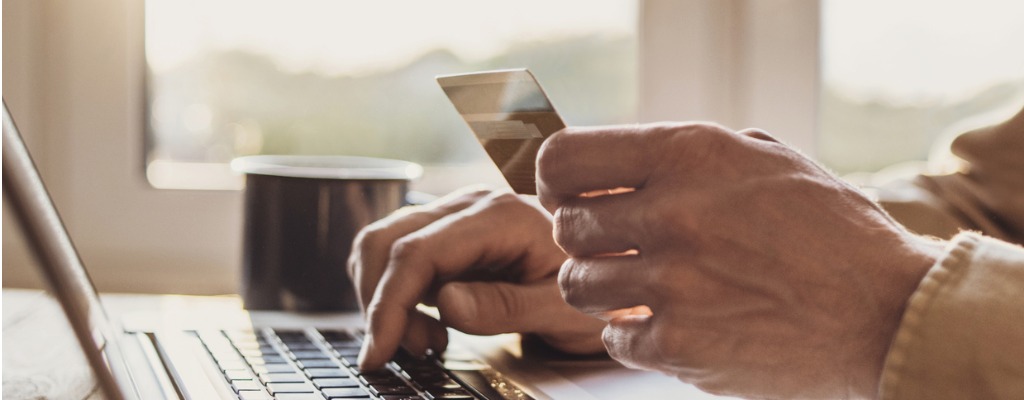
164,174
437,179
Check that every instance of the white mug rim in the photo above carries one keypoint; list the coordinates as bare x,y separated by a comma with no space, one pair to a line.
328,167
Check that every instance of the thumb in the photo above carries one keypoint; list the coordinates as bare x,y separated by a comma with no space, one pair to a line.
490,308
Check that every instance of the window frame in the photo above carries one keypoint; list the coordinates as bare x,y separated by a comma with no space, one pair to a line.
84,119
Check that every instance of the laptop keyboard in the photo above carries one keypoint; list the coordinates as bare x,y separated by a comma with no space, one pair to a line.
321,365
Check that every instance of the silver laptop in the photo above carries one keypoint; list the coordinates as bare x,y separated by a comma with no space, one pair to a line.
277,355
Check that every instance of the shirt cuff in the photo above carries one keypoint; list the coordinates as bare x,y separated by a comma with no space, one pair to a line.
962,334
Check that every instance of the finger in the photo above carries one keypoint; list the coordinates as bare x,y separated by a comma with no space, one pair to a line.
443,249
490,308
587,227
597,285
372,245
758,134
581,160
628,340
638,310
417,343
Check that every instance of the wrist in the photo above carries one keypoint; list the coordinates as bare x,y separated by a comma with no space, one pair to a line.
917,256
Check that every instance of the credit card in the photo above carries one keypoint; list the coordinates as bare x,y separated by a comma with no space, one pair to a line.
510,115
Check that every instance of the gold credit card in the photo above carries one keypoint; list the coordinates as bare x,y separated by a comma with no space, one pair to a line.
509,113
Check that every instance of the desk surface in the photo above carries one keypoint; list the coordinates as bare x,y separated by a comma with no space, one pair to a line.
41,357
42,360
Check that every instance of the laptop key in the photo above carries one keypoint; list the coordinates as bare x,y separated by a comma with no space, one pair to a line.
232,365
309,355
352,361
244,385
346,393
314,373
347,351
446,384
373,380
381,390
323,383
254,395
302,346
402,397
267,359
333,334
239,375
286,377
285,334
320,363
225,355
276,388
268,368
258,352
251,344
299,396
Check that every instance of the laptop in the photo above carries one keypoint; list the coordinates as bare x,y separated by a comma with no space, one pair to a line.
280,355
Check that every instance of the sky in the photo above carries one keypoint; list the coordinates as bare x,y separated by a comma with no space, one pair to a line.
921,49
349,37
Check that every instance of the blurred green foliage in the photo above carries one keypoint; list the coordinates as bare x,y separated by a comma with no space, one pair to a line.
401,113
249,105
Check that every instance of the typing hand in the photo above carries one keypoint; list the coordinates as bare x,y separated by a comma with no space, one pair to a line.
486,259
744,267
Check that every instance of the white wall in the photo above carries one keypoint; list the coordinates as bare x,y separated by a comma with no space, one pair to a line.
73,79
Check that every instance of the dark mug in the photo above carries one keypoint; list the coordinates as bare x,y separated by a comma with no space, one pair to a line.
301,216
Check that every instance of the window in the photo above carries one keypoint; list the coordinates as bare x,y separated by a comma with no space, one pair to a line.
231,77
900,76
75,73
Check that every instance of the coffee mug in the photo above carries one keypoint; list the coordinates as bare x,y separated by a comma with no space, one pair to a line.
301,216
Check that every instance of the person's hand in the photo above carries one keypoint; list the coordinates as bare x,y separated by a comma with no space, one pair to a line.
486,259
744,268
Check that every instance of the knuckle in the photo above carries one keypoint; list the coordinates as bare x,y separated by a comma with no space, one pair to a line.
371,239
502,198
469,194
568,283
352,266
511,304
367,242
669,343
664,218
566,226
551,155
612,344
756,133
374,310
406,248
503,195
708,139
624,347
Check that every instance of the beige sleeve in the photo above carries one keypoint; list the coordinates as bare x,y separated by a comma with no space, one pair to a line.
962,335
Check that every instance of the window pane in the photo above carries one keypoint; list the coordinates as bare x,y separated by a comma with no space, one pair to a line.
898,75
238,77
